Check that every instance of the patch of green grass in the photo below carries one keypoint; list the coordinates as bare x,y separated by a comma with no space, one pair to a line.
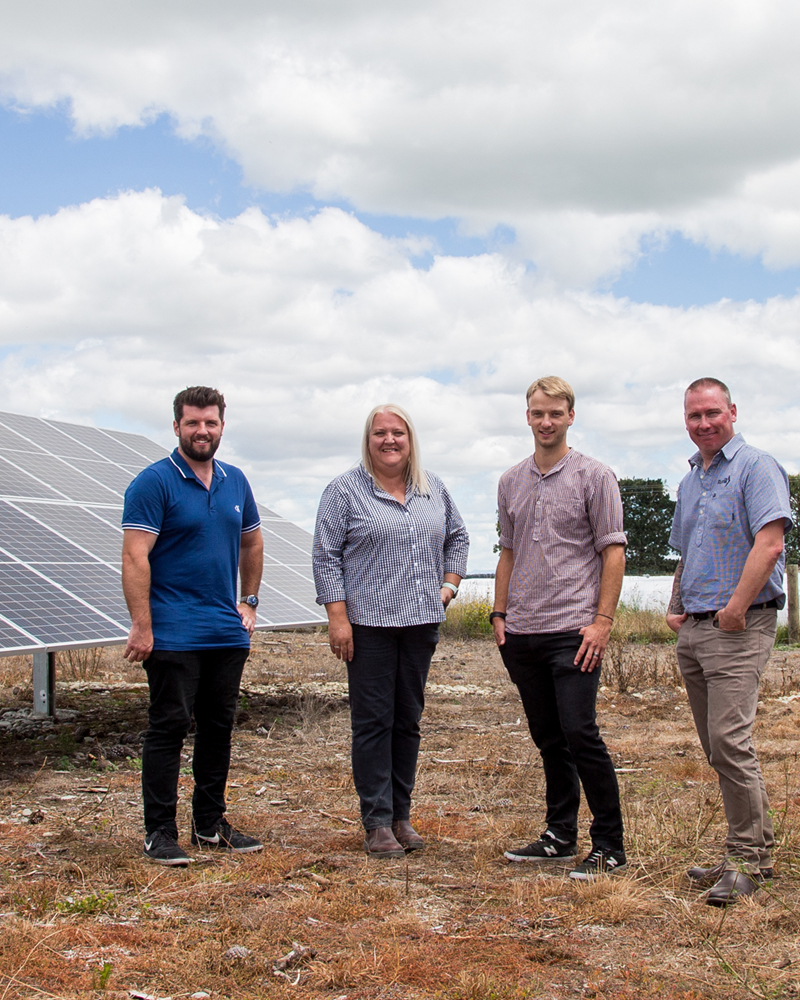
633,623
468,619
782,638
87,906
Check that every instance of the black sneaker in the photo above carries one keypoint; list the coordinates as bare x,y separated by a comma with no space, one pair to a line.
161,847
223,837
546,848
599,862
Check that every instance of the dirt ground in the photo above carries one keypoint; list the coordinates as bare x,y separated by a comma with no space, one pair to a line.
82,913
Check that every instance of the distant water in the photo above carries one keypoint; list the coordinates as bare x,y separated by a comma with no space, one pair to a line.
646,591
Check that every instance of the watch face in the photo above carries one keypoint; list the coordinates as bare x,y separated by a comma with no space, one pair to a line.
252,601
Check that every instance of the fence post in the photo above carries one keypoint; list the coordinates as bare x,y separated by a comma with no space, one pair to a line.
794,610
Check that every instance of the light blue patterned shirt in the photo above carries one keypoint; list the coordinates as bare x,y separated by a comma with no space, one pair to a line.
718,514
386,559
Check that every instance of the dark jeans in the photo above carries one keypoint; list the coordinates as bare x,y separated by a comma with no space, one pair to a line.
560,703
203,683
386,680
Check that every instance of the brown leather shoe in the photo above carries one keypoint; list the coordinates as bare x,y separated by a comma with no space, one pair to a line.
710,876
731,886
407,835
381,843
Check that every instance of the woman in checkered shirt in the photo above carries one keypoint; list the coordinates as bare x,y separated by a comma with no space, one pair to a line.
390,549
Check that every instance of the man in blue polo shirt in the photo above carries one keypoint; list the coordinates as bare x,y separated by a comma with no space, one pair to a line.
730,519
191,526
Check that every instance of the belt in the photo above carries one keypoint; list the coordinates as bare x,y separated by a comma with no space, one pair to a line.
700,616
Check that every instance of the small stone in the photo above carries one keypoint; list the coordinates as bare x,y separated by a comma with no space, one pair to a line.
237,953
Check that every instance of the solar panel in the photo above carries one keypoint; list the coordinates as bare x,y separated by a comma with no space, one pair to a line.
61,496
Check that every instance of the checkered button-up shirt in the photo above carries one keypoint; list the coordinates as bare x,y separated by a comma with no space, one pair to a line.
557,525
720,511
384,558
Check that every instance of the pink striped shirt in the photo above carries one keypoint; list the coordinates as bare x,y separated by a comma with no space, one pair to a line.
557,525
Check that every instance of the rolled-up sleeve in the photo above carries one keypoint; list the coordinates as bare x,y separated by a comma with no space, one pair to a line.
766,495
505,522
605,512
330,535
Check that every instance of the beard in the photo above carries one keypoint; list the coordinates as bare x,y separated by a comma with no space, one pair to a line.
189,449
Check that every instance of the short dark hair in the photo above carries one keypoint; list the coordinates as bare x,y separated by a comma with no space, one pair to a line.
200,396
706,383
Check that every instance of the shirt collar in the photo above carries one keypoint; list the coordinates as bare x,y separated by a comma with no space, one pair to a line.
369,479
182,466
728,450
556,468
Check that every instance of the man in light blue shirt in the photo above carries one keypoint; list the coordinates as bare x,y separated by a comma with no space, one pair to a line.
731,515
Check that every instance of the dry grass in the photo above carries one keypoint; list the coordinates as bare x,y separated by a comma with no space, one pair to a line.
82,914
468,618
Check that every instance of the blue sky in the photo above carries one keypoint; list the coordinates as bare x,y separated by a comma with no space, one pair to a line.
45,165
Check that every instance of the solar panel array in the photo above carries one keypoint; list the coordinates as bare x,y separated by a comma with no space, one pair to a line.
61,496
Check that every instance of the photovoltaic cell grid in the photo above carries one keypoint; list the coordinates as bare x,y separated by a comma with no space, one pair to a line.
61,496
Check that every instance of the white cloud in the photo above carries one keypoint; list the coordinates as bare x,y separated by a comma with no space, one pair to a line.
583,125
106,310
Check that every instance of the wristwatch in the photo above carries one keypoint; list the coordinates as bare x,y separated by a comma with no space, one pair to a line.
250,601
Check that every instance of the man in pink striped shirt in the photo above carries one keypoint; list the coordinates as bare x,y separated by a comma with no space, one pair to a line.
556,590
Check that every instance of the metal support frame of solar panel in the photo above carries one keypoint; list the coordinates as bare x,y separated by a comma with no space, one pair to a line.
61,495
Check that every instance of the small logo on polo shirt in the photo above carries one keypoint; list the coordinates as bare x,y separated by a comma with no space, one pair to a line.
236,508
724,482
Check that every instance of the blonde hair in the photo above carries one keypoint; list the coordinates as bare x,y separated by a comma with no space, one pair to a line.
554,387
415,474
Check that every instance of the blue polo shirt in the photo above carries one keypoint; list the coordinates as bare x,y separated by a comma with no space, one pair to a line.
717,516
194,563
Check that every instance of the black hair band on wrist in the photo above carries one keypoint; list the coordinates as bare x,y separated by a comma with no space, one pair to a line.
597,614
497,614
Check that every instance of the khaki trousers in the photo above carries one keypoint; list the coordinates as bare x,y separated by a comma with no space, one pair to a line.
722,671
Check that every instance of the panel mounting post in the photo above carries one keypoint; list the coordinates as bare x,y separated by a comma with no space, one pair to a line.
44,684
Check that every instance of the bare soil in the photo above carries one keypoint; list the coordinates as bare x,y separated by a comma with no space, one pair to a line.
82,912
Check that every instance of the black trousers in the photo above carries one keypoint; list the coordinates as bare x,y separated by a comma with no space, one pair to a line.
560,703
203,684
386,678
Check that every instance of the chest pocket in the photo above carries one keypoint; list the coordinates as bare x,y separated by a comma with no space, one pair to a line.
723,509
565,516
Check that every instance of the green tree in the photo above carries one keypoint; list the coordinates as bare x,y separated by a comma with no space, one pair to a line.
648,510
793,538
